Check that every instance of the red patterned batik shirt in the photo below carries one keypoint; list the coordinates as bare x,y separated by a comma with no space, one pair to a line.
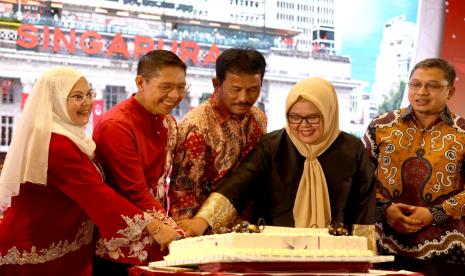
210,142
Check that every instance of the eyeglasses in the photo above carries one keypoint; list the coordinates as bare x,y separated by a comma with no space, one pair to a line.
310,119
79,97
166,88
429,86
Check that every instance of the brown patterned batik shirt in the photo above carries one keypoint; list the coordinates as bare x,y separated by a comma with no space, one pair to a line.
421,167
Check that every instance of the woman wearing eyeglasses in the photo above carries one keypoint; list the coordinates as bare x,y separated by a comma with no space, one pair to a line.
307,174
57,194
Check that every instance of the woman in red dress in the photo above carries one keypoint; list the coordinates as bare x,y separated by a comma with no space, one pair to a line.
57,194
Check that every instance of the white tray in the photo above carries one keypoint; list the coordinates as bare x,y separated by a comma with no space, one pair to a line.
225,258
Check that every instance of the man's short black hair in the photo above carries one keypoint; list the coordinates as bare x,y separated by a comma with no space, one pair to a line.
240,61
444,65
152,62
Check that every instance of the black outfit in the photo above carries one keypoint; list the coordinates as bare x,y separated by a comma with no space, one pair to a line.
270,175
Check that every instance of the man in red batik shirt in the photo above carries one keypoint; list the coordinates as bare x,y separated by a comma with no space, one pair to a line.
216,135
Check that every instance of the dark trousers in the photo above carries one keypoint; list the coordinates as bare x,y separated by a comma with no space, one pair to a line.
102,267
427,267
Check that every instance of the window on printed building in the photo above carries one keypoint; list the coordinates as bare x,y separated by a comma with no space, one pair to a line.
353,103
6,88
6,130
113,95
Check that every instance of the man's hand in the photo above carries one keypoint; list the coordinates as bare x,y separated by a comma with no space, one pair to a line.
399,217
194,227
161,233
424,215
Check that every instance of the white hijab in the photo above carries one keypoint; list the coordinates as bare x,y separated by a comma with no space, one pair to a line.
45,112
312,206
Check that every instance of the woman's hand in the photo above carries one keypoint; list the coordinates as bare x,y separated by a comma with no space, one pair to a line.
161,233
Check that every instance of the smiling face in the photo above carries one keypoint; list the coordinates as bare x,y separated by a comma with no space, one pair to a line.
305,132
79,112
163,92
426,102
239,92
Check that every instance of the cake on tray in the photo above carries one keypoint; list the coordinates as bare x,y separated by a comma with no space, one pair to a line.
283,248
273,241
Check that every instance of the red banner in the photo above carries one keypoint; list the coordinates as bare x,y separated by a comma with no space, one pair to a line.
453,50
98,111
23,99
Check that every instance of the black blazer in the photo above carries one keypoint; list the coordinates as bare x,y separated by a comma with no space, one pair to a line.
271,173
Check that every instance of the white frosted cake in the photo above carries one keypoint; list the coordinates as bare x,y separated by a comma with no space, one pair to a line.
272,242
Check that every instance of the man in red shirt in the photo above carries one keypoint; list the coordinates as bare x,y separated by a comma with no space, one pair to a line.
136,138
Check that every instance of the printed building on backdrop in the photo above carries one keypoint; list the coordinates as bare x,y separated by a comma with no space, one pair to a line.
105,38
